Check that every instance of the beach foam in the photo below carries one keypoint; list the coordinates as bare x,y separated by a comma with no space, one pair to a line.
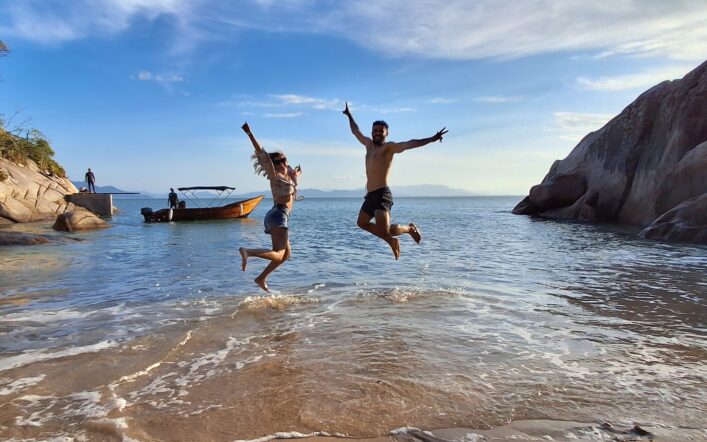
273,302
29,357
19,384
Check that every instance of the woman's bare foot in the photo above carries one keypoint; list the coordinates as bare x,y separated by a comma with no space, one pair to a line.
244,257
261,283
415,233
395,245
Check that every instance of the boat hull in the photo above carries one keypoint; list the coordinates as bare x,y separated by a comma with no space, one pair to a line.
239,209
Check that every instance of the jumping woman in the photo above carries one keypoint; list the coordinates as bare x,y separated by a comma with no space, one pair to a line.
283,183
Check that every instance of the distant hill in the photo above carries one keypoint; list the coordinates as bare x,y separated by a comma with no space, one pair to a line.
422,190
115,190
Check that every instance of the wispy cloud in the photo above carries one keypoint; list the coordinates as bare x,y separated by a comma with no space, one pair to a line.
302,103
284,115
56,21
572,126
157,78
315,103
393,110
286,100
454,29
249,103
498,99
440,100
639,80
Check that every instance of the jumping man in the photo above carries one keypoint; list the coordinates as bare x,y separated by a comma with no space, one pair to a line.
379,199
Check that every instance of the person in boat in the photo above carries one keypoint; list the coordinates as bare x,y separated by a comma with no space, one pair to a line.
172,199
379,199
283,183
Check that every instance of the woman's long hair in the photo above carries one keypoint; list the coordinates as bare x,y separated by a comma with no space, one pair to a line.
257,160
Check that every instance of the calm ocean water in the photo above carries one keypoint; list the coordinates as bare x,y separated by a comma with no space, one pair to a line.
152,331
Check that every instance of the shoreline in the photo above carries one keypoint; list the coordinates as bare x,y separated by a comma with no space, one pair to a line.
520,430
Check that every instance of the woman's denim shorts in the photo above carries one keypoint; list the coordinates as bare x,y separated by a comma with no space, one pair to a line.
276,217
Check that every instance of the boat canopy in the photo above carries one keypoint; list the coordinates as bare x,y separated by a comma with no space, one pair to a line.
219,188
222,192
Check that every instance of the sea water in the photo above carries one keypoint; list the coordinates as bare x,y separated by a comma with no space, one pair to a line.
153,332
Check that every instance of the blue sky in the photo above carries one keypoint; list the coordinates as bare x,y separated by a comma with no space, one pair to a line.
152,94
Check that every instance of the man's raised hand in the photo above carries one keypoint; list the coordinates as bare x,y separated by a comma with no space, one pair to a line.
346,110
441,133
246,128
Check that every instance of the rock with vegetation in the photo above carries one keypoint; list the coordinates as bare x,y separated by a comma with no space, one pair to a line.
646,161
32,184
28,193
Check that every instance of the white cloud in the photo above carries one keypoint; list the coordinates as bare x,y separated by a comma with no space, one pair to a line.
305,102
315,149
639,80
440,100
394,110
281,101
498,99
55,21
162,79
315,103
284,115
573,126
453,29
460,30
249,103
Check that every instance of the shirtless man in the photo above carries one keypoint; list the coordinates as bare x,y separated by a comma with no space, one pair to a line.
379,199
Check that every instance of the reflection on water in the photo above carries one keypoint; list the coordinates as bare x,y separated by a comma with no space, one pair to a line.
151,331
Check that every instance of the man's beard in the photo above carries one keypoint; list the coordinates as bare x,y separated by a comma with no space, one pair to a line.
378,141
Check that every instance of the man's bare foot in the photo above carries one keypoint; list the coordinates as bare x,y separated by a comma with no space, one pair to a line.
244,257
395,245
261,283
415,233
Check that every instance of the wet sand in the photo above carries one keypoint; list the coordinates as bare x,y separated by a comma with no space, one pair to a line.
253,374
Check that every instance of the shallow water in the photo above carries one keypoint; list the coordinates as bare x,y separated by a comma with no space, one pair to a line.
152,332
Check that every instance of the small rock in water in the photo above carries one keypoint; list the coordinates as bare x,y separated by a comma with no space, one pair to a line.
638,431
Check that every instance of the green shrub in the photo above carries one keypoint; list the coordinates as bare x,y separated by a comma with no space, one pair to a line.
32,147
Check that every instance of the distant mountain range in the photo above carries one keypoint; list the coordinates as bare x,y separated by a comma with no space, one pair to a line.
422,190
111,189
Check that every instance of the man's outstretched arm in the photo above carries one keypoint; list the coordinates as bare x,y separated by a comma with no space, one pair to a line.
354,127
401,147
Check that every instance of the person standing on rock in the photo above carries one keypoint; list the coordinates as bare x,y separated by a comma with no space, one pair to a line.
91,181
379,199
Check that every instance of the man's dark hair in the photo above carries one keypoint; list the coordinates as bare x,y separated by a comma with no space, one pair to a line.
381,123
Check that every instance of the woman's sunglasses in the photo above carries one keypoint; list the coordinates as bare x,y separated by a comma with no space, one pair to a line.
279,160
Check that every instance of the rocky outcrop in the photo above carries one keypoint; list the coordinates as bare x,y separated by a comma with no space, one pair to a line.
686,180
646,161
685,223
29,195
28,239
78,219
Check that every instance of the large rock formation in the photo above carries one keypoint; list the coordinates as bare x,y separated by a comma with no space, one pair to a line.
649,159
685,222
29,195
